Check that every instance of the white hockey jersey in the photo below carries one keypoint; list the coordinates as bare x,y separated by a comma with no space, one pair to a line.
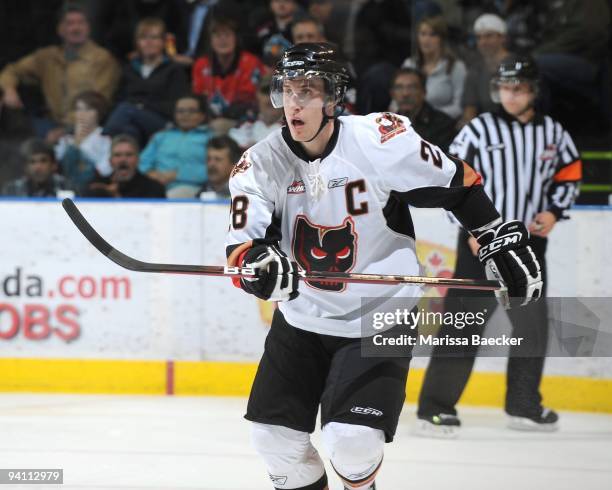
347,211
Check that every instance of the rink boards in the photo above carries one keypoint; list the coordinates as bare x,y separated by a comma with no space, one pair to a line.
71,321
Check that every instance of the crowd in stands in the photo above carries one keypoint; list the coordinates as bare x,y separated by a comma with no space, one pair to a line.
158,98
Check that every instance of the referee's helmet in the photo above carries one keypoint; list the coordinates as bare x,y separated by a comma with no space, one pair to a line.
515,70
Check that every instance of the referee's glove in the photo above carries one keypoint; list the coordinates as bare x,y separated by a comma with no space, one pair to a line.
276,278
507,256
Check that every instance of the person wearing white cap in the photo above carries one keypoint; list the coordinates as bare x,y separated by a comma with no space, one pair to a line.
490,31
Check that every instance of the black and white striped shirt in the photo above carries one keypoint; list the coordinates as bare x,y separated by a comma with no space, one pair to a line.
526,168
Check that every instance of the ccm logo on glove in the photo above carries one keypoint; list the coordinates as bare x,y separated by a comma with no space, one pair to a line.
510,238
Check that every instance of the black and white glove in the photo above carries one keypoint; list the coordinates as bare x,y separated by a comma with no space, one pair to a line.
507,256
276,278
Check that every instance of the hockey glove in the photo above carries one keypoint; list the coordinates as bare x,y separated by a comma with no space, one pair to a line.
276,278
507,256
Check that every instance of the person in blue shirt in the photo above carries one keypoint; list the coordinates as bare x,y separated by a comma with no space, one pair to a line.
175,156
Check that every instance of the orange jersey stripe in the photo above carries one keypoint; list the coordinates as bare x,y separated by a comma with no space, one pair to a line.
571,172
470,176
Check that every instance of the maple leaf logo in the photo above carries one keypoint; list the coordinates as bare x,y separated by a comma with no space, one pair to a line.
435,260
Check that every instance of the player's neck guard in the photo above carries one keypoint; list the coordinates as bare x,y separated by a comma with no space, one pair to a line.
298,150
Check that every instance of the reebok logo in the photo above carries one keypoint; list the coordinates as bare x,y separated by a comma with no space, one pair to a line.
278,480
339,182
499,146
367,411
297,187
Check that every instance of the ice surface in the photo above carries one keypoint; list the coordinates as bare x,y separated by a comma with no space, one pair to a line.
141,442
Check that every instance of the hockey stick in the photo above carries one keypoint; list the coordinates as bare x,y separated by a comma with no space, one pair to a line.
132,264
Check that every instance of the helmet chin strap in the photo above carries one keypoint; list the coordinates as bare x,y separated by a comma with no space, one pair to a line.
324,121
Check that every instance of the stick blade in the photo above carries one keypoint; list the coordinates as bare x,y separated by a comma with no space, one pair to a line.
85,228
101,244
126,261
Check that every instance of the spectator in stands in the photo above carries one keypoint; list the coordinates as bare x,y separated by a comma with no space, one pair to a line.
223,154
445,74
194,23
150,85
307,29
41,178
85,153
174,156
408,92
490,31
274,32
228,75
126,180
268,119
62,72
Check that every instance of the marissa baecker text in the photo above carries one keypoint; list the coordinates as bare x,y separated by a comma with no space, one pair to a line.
444,340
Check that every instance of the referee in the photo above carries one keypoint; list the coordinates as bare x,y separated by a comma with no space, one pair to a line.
531,171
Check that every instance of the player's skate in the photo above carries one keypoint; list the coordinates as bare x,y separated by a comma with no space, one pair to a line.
546,422
443,426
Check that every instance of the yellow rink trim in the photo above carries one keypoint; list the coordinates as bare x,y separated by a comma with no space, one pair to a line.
83,376
234,379
213,378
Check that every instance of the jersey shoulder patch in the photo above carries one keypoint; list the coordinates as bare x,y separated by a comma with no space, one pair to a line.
389,125
380,127
242,166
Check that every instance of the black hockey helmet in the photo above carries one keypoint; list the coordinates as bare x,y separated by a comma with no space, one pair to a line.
311,60
515,69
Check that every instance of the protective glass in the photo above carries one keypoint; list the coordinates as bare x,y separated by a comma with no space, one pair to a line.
302,87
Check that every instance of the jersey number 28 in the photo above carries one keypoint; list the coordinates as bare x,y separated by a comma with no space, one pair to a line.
240,204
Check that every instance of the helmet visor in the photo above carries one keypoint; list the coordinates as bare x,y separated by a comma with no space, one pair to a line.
303,88
514,84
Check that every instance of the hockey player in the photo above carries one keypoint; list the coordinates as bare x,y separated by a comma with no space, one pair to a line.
331,193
